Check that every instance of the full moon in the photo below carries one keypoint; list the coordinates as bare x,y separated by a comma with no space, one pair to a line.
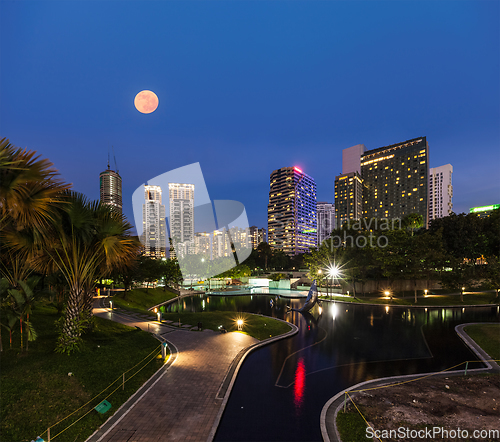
146,102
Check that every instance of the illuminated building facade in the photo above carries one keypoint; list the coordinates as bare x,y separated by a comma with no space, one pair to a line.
181,217
348,198
153,223
395,180
440,191
325,220
111,189
292,211
484,211
257,236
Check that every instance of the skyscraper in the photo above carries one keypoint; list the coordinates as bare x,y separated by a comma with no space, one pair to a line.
325,220
111,189
257,236
292,211
181,220
348,198
440,191
395,180
153,220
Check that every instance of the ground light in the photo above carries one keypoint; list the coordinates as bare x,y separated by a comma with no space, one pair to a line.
240,324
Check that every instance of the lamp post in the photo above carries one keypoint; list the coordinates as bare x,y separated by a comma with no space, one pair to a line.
462,295
333,272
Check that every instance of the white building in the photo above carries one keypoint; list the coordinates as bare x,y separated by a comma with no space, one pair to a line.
221,244
326,220
181,219
153,221
440,191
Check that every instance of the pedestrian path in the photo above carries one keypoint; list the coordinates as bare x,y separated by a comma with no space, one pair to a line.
180,402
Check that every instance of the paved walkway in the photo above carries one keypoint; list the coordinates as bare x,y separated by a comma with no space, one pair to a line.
179,403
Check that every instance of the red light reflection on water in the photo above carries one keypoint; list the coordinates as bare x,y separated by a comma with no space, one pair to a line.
299,385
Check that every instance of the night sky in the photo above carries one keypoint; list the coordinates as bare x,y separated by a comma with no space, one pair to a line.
248,87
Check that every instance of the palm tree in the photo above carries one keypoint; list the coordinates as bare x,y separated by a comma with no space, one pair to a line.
29,190
89,242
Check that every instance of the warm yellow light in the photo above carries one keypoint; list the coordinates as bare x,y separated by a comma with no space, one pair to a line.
239,322
156,310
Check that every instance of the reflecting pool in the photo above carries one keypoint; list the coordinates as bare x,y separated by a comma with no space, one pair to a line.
281,388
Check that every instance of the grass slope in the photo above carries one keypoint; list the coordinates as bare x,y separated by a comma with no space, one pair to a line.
259,327
487,336
37,391
140,300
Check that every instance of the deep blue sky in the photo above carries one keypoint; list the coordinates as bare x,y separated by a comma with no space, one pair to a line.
248,87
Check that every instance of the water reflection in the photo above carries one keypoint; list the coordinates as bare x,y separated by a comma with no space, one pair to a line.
283,386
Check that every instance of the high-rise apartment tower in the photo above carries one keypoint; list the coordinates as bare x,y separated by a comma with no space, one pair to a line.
440,191
181,220
153,221
325,220
291,211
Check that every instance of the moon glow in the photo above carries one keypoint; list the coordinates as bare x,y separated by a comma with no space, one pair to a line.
146,102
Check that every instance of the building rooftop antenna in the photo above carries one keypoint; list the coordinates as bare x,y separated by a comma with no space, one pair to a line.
114,156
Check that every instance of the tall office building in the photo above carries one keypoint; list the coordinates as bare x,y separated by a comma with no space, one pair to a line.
440,191
153,221
257,236
348,198
291,212
325,220
181,219
111,189
395,180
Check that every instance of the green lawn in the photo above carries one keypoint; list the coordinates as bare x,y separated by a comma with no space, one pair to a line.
139,300
37,391
487,336
259,327
429,301
351,426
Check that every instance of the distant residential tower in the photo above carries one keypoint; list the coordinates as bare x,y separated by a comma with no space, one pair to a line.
440,191
153,220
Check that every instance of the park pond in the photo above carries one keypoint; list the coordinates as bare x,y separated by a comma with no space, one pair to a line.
281,388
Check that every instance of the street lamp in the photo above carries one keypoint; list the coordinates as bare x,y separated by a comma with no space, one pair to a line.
425,293
333,272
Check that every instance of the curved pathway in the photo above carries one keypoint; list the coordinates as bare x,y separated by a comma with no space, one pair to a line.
185,399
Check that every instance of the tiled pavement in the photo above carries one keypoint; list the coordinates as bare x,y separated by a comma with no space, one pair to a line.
182,404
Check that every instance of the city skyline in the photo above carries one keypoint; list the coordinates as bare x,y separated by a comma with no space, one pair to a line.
282,87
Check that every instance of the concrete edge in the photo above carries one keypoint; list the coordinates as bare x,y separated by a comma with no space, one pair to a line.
388,380
409,306
253,347
123,410
478,351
